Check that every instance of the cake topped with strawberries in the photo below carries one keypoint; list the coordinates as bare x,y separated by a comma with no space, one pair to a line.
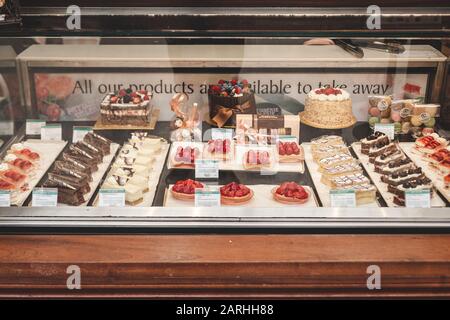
328,108
126,107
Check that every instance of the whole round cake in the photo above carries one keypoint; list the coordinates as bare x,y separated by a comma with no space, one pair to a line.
328,108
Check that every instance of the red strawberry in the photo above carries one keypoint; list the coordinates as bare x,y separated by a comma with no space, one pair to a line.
122,93
233,82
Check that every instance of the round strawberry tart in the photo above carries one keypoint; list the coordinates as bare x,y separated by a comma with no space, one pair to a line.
235,194
185,189
328,108
290,193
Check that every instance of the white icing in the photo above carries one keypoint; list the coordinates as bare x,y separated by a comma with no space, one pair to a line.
10,157
4,167
17,147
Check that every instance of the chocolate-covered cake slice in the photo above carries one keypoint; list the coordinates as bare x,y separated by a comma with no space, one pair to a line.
395,166
69,169
372,140
417,184
99,142
397,179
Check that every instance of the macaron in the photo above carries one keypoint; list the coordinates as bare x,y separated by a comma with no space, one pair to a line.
406,126
397,127
385,120
415,121
395,116
374,112
373,120
430,123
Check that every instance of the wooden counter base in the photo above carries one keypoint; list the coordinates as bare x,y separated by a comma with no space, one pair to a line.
224,266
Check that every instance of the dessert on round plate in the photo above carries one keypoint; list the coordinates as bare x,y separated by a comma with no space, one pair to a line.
328,108
185,189
290,193
290,151
219,149
185,156
257,159
235,193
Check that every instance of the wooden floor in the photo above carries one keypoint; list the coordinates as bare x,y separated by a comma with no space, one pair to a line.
225,266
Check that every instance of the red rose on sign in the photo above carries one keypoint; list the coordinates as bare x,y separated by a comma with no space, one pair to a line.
53,112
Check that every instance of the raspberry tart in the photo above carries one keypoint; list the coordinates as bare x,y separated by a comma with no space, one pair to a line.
290,152
290,193
185,189
257,159
235,194
185,156
219,148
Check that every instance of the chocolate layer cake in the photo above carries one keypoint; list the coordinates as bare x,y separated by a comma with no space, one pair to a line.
126,107
397,179
418,184
372,140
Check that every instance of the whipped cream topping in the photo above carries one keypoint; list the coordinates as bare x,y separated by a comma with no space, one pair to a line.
17,147
344,95
4,167
10,157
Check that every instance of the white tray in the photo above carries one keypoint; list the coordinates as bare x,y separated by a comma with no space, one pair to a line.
262,198
323,190
235,160
48,151
430,171
388,197
153,180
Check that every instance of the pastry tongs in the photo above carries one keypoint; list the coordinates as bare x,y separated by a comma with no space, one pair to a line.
389,47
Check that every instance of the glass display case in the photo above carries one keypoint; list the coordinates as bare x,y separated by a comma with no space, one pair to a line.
272,129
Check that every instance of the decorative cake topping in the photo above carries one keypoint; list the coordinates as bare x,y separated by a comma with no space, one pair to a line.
232,88
128,97
234,190
330,94
288,148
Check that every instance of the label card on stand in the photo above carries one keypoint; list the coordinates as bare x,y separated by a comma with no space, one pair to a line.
221,133
206,169
418,198
343,198
6,128
51,132
44,197
33,127
386,128
79,132
5,198
207,197
111,198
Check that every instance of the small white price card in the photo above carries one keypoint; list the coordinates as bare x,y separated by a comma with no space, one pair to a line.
33,126
51,132
208,197
6,128
221,133
386,128
343,198
206,169
79,132
418,198
111,198
5,198
44,197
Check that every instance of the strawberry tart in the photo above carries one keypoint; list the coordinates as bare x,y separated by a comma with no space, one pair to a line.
290,193
290,151
328,108
235,194
185,189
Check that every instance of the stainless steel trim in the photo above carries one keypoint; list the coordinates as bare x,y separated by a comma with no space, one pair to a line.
226,217
299,12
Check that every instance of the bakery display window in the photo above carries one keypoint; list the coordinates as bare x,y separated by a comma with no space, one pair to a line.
223,135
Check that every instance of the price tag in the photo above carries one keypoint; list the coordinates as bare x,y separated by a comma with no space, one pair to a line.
5,198
207,198
284,138
221,133
111,198
44,197
386,128
343,198
79,133
418,198
6,128
206,169
51,132
33,127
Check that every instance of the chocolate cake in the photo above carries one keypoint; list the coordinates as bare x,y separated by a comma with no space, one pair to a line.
372,140
126,107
